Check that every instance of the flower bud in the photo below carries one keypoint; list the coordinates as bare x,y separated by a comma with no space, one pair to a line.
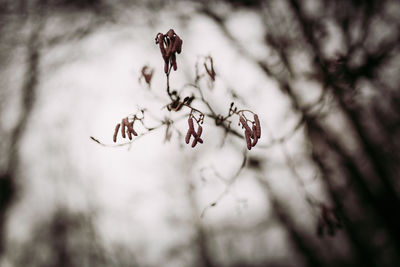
258,125
116,132
248,141
190,122
188,135
254,136
244,124
123,123
199,131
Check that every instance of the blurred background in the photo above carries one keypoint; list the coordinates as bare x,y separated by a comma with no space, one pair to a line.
321,188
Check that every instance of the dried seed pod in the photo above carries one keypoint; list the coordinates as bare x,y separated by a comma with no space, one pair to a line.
258,125
244,124
129,135
188,135
254,136
248,141
116,132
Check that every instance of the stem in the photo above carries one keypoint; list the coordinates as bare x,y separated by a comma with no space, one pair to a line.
168,91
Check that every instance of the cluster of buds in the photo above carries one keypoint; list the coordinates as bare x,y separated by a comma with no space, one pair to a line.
126,129
170,43
329,221
251,134
191,132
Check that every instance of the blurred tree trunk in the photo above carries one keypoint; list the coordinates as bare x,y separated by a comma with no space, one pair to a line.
8,179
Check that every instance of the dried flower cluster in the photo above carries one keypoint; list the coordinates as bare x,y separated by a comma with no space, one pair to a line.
251,133
126,129
191,132
170,43
329,221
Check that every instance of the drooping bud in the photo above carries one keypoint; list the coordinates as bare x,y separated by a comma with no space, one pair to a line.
123,124
116,132
188,135
160,42
248,141
131,130
258,125
199,131
170,44
190,123
173,60
254,136
178,44
244,124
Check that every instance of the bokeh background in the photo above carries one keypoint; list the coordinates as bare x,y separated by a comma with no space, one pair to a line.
320,188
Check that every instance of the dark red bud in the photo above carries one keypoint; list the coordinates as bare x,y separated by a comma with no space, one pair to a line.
123,123
254,136
188,135
244,124
258,125
190,123
198,134
248,141
116,132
